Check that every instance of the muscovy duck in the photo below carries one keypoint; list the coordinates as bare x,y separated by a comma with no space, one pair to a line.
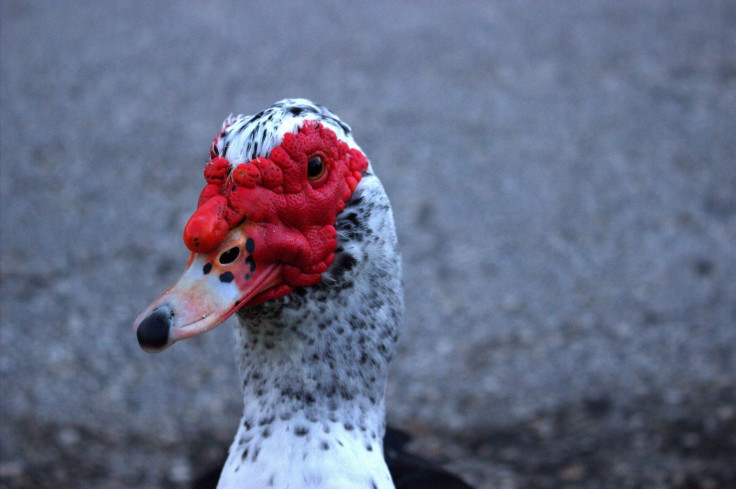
294,233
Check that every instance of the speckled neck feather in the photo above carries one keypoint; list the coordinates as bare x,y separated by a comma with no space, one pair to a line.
314,363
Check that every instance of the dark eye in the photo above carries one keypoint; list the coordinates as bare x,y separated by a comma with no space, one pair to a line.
229,256
315,167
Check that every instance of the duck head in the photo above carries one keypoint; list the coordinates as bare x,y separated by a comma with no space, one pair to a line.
265,220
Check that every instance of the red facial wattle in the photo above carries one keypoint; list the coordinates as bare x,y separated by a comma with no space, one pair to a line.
278,212
296,216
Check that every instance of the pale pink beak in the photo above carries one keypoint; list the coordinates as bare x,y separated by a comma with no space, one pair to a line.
212,288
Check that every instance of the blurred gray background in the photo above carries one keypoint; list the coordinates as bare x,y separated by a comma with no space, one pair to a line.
563,176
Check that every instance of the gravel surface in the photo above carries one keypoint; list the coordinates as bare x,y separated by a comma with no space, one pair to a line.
563,176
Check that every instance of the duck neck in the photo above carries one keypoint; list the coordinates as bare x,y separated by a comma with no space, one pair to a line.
305,427
314,366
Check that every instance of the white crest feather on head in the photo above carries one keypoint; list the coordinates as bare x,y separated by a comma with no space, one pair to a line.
246,137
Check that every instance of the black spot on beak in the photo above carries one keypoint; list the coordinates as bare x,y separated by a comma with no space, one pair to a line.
250,245
251,263
153,332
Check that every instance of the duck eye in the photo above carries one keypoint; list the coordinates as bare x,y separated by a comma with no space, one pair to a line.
229,256
315,167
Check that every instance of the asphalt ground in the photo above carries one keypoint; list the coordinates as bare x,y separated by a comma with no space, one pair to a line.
563,176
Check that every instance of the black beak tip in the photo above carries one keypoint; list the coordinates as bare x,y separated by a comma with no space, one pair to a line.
153,331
